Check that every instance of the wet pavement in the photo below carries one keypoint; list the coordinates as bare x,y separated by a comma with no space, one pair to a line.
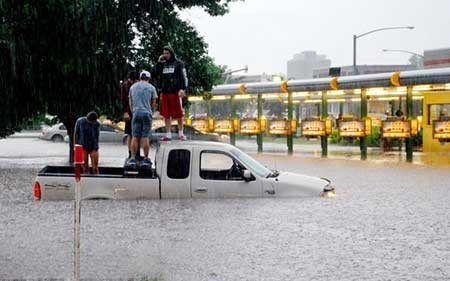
389,221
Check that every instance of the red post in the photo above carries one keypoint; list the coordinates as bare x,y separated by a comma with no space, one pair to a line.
78,161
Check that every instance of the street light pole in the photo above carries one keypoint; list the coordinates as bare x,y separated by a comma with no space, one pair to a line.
404,51
355,68
356,37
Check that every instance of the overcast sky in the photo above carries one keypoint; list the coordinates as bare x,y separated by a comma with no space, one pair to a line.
264,34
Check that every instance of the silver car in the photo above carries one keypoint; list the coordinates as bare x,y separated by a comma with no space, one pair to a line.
108,133
56,133
190,132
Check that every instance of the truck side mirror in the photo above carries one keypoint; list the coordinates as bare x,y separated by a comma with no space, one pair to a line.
247,175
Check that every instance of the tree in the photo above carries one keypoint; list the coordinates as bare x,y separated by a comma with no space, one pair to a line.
417,61
67,57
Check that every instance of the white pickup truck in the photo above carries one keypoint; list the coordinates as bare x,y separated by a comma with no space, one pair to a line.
190,169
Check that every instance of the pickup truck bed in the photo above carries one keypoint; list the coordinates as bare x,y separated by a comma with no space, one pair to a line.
104,172
58,182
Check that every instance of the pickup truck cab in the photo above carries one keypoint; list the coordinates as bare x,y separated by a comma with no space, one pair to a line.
190,169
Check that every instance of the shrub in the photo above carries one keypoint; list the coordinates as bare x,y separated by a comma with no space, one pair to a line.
374,140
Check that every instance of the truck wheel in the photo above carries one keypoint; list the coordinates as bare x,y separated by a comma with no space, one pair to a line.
57,138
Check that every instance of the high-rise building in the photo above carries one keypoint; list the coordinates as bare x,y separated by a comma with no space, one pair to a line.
301,66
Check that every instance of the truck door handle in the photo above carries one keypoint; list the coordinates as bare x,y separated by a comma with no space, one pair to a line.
201,190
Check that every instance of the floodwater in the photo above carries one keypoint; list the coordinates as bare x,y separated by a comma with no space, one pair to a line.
389,221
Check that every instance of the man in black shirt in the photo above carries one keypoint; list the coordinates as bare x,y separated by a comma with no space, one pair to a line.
171,77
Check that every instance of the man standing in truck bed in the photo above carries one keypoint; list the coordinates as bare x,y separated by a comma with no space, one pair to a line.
142,101
86,133
171,76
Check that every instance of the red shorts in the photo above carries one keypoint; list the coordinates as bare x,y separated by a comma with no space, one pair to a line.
170,105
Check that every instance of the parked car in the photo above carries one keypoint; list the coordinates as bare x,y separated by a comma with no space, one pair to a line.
183,169
56,133
190,132
108,133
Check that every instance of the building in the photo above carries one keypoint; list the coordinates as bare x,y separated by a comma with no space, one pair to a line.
363,69
302,65
437,58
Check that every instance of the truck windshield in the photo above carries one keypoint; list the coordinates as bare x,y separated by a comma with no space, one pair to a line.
251,163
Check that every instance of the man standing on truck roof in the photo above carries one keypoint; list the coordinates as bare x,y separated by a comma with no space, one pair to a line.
142,98
171,75
86,134
133,77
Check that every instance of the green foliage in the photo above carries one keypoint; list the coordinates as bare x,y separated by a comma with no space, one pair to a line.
67,57
334,137
374,140
39,119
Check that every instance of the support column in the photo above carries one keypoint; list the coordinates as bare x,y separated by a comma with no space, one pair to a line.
259,137
324,139
290,137
363,140
208,108
297,117
233,118
400,108
409,115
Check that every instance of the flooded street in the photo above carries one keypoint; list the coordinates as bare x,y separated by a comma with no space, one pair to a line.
389,221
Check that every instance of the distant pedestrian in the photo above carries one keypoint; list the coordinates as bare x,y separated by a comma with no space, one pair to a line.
171,76
133,77
339,120
142,99
87,131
